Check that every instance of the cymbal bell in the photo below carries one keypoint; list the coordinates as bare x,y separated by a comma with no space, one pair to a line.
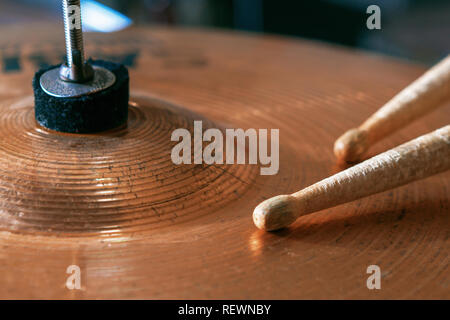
139,226
119,180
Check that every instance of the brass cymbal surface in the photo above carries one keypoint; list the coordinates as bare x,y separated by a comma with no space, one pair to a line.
141,227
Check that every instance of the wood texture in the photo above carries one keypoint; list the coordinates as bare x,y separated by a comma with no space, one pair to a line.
140,227
419,158
421,97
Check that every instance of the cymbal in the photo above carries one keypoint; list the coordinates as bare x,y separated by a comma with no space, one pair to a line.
139,226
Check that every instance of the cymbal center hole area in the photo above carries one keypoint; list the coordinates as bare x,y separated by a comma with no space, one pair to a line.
118,182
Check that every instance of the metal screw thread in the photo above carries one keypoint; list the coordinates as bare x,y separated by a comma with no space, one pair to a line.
73,33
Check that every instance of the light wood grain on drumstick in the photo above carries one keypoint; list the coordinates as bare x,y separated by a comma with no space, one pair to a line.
421,97
422,157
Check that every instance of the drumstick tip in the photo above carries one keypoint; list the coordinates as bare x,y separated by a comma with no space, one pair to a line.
276,213
351,145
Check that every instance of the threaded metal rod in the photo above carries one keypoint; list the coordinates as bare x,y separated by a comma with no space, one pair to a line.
76,70
72,28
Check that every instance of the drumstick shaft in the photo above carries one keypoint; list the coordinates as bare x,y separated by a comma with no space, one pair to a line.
422,96
414,160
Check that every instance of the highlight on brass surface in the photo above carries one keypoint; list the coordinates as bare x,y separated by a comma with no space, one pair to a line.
273,159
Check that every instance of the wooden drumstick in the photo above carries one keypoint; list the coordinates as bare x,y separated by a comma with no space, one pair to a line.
422,157
422,96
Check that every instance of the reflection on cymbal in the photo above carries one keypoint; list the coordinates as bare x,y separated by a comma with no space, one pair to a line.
139,226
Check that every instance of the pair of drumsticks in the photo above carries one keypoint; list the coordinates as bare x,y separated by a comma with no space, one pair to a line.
419,158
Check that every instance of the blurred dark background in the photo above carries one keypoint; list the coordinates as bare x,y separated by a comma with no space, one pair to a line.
411,29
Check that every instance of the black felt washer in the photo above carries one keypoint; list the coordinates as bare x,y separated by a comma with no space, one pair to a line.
96,112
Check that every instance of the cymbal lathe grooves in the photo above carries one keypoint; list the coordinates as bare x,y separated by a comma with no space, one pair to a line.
107,214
